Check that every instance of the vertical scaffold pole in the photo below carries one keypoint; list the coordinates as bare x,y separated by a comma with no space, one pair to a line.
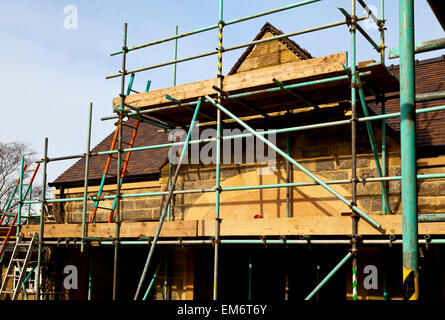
249,294
382,31
408,150
85,190
42,210
218,154
20,204
383,103
354,216
170,172
288,175
90,275
118,165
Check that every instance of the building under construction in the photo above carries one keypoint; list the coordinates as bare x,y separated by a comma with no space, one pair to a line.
291,177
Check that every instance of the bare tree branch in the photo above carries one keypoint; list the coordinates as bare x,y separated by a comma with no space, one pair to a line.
10,158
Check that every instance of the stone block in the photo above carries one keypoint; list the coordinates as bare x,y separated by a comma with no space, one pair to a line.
441,203
230,172
277,46
310,152
259,50
308,164
200,175
340,149
368,189
395,203
441,188
394,187
376,203
288,56
156,213
135,215
324,165
268,60
426,188
395,171
427,204
145,204
250,63
128,204
336,175
367,172
364,202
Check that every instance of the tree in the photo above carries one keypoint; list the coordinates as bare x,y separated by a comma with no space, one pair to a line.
10,159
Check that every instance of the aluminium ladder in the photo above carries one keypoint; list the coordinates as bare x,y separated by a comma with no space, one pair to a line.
110,156
122,175
22,264
5,213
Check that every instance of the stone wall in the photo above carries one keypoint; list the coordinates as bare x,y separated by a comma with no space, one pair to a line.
267,54
327,154
324,152
132,209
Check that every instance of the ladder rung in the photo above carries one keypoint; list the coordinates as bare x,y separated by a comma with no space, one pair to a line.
23,244
127,125
7,292
103,208
13,276
19,260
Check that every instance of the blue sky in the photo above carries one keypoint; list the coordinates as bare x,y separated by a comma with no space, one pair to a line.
50,74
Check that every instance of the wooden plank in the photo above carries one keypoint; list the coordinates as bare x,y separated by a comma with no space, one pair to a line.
100,230
107,230
312,226
297,70
334,226
169,229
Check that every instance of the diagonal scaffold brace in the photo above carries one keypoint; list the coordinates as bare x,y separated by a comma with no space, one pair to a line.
167,201
362,214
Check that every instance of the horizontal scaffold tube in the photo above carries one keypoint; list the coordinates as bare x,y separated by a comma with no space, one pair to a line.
215,26
244,135
239,46
263,242
419,47
433,217
430,96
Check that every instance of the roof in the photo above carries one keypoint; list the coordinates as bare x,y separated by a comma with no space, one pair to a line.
290,44
439,11
142,164
430,126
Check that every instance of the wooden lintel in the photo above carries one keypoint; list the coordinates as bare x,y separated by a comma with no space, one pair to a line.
297,70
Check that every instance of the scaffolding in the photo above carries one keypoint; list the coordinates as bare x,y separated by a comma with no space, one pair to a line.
352,75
